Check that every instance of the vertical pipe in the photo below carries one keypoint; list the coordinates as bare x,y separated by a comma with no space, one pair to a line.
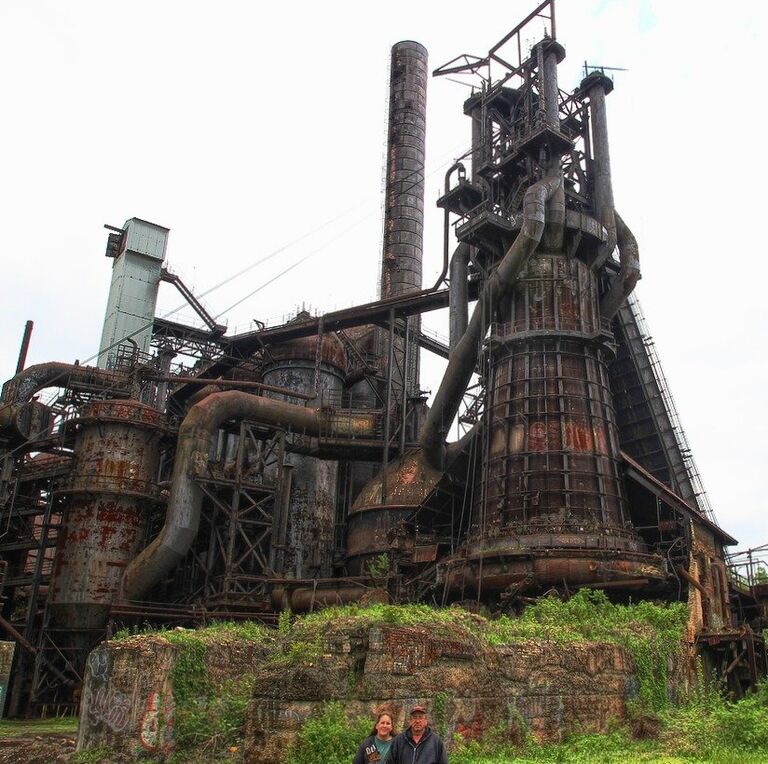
388,406
458,306
597,86
404,399
553,54
24,346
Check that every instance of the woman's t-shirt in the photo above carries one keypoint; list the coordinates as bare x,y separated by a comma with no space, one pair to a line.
383,747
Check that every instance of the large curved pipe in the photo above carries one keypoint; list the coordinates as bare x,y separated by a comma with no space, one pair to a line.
194,444
463,359
629,272
25,384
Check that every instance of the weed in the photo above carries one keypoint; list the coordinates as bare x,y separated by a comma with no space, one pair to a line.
378,566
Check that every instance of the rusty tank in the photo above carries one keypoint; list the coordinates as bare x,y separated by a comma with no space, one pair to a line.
112,486
314,366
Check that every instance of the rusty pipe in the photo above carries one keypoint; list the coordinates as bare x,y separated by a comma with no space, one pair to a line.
25,384
629,271
194,444
463,359
447,220
306,598
24,346
219,384
725,597
458,297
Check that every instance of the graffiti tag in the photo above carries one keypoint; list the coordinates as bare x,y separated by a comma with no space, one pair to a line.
111,707
98,665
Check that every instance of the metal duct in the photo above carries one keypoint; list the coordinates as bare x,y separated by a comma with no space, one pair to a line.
629,273
458,305
24,385
25,421
194,444
464,357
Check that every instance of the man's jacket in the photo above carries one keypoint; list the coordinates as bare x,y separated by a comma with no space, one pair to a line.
430,749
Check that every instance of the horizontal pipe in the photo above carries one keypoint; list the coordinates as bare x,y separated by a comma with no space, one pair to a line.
25,384
464,357
235,384
629,271
193,449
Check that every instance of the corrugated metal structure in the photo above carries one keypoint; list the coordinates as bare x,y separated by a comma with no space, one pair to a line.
138,251
298,465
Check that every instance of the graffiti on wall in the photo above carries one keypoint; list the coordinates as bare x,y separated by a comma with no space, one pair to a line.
156,729
110,707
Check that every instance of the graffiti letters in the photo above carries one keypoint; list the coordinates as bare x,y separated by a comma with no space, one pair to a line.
111,707
156,728
98,665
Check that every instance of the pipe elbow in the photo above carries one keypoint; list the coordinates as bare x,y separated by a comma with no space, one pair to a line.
629,272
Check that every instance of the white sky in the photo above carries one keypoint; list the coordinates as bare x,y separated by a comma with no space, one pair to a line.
243,127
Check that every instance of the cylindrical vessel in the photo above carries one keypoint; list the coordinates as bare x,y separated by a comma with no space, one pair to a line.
111,489
552,454
309,365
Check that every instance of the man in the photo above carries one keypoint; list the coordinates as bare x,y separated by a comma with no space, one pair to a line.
418,744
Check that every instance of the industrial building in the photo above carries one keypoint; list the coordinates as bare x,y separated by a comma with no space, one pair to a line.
299,465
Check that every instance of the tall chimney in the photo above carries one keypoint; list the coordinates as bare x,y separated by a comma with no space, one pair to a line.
404,196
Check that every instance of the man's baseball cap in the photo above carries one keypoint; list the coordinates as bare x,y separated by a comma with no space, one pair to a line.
418,710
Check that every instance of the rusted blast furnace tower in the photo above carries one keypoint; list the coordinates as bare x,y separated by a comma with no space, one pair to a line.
296,465
539,221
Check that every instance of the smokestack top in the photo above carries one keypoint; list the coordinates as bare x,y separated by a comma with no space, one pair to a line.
411,44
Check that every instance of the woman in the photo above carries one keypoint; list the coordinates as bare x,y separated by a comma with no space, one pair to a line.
375,748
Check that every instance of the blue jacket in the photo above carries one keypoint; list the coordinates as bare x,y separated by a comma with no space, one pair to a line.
430,749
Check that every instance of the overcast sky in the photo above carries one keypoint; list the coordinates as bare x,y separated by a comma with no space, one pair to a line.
245,127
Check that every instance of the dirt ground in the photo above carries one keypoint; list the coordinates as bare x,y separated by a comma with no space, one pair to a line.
36,749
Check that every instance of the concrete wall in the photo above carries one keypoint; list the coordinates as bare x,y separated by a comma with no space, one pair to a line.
465,686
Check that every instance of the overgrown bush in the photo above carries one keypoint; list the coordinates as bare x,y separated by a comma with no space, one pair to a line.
708,722
208,715
330,737
651,633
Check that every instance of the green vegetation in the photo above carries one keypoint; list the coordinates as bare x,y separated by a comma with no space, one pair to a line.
378,566
57,725
651,633
706,730
329,738
92,756
702,728
614,748
209,715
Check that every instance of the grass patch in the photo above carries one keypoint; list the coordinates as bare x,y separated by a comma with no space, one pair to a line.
60,725
92,756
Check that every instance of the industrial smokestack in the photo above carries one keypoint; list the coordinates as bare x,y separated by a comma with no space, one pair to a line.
404,194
